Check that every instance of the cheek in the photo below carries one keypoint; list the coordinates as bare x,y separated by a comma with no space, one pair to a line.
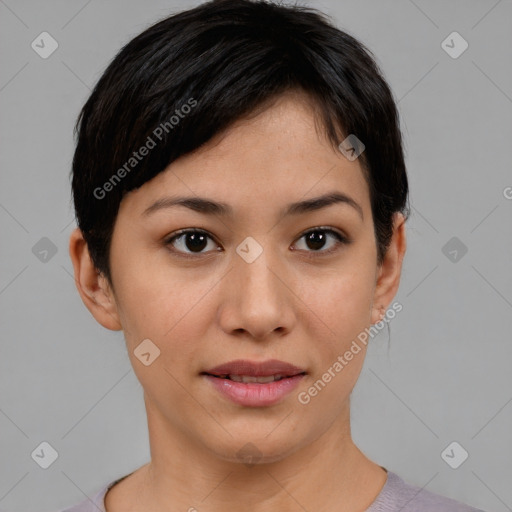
340,301
173,314
339,311
161,310
165,305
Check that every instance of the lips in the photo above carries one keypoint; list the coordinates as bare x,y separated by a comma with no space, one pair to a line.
253,383
242,370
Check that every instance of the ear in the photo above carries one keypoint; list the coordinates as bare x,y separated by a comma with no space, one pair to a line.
93,287
389,272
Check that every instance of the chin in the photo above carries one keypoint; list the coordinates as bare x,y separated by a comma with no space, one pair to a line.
254,448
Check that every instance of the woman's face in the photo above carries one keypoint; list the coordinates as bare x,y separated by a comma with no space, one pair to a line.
256,286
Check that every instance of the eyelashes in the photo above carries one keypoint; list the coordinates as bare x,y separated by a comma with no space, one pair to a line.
195,236
311,236
193,239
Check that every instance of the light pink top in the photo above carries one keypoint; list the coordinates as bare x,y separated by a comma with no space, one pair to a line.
396,495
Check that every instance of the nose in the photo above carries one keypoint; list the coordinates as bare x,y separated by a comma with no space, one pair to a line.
257,299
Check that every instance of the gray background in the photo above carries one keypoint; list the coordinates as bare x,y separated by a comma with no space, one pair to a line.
445,373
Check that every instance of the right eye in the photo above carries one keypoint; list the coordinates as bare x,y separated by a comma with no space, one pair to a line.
192,239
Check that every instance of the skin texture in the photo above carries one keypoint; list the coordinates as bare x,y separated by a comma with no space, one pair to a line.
216,307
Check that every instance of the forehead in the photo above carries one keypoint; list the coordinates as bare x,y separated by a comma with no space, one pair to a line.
278,155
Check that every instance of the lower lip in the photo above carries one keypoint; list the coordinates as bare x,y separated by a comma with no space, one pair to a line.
253,394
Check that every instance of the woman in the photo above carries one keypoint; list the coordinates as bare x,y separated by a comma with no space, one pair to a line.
241,198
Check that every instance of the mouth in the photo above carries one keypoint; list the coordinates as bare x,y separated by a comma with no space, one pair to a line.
243,370
249,378
255,384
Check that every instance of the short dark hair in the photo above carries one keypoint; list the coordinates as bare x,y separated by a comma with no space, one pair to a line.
191,75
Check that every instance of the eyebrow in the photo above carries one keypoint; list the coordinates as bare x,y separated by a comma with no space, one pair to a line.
210,207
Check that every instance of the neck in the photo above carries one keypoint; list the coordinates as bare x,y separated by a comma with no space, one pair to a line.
327,473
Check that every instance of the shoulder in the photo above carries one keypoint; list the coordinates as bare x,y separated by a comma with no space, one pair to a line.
97,502
399,495
94,504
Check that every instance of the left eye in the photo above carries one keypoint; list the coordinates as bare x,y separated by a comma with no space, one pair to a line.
193,241
317,238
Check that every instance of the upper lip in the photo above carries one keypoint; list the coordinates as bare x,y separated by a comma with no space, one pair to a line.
256,368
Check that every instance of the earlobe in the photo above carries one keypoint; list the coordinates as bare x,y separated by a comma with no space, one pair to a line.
93,287
388,276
